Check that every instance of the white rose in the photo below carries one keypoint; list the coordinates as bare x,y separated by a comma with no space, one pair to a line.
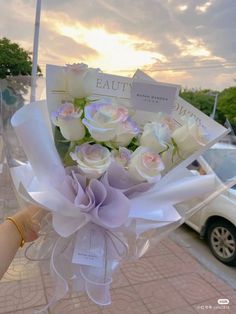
69,122
145,165
103,119
155,136
189,138
80,79
125,133
122,156
92,159
165,119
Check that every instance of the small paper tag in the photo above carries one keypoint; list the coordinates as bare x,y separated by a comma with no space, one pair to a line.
154,97
89,248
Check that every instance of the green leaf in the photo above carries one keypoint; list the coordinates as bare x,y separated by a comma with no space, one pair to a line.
175,150
62,145
134,144
165,150
80,102
109,145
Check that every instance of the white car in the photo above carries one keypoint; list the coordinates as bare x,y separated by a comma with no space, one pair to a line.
216,222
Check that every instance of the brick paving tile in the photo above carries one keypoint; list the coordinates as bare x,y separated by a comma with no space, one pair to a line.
217,283
158,250
186,258
32,292
183,310
10,296
21,269
160,296
173,247
119,280
75,306
125,300
141,271
170,265
28,311
193,288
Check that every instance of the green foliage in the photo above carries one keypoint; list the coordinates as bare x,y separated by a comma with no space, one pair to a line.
227,103
14,60
226,106
203,100
199,99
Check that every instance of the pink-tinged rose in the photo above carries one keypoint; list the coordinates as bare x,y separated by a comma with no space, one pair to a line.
156,136
103,119
145,165
80,79
189,138
126,131
92,159
165,119
67,118
122,156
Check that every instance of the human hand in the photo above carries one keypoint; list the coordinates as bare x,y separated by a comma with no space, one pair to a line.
29,219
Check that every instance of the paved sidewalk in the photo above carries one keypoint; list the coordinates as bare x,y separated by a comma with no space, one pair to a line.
166,280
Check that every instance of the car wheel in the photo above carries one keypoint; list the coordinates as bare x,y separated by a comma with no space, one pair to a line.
221,238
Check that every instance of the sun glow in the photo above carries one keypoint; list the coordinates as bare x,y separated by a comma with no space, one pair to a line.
182,7
203,8
117,52
193,47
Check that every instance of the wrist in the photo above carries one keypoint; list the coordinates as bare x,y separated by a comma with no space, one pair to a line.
29,223
24,223
17,229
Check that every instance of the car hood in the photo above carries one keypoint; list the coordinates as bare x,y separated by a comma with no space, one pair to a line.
231,194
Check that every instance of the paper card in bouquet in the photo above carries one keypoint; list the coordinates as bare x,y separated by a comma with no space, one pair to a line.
87,248
156,97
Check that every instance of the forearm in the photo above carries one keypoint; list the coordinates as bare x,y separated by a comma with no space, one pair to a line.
15,231
10,240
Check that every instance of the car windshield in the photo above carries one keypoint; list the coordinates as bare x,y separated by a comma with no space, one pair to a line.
222,161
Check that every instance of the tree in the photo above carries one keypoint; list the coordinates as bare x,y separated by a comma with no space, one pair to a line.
227,105
204,101
14,60
199,99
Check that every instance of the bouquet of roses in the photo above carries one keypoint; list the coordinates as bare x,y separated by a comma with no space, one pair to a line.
109,174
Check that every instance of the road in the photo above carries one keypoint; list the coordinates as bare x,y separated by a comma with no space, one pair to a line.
189,239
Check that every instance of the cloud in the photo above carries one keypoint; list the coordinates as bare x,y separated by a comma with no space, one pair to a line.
63,50
15,24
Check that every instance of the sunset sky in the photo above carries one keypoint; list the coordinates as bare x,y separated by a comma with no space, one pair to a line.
188,42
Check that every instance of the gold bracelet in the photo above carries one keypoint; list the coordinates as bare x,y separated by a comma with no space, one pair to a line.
13,220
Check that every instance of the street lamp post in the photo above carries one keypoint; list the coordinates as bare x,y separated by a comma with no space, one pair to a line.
212,115
215,105
35,52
